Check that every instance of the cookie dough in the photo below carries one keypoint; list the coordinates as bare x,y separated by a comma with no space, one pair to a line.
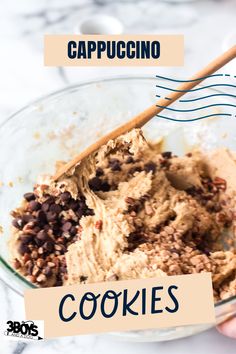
131,211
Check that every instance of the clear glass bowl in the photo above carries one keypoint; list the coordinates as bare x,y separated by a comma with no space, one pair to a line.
60,125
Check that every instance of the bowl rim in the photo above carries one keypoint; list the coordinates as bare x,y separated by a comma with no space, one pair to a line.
53,95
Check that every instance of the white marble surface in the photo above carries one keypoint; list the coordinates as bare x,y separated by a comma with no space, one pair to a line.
24,78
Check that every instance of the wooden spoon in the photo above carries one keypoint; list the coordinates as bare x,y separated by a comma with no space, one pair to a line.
142,118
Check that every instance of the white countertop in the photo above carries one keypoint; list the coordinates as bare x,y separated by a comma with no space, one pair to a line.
205,24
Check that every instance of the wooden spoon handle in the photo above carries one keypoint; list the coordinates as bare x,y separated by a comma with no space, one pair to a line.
142,118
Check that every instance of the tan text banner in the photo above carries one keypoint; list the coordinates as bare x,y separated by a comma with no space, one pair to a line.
106,50
138,304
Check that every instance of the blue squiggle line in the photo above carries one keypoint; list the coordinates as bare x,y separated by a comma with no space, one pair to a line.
200,78
198,108
166,98
194,119
197,89
201,98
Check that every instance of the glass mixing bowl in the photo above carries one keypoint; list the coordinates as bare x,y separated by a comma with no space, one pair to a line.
60,125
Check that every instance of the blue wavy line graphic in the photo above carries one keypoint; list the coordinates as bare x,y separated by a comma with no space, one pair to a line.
194,119
200,98
197,89
193,80
198,108
209,96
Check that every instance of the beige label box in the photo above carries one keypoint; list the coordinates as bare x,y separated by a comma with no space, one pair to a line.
56,50
138,304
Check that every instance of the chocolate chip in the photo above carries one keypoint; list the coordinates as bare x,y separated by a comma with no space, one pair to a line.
203,248
55,208
41,217
165,163
27,218
216,208
42,235
26,238
206,251
73,231
167,154
150,166
56,229
51,216
34,206
29,196
135,207
95,184
135,169
105,186
135,239
39,242
194,191
113,161
23,248
17,223
63,269
48,246
73,204
129,160
65,197
115,165
45,206
79,213
50,200
47,227
99,172
67,226
82,205
90,211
